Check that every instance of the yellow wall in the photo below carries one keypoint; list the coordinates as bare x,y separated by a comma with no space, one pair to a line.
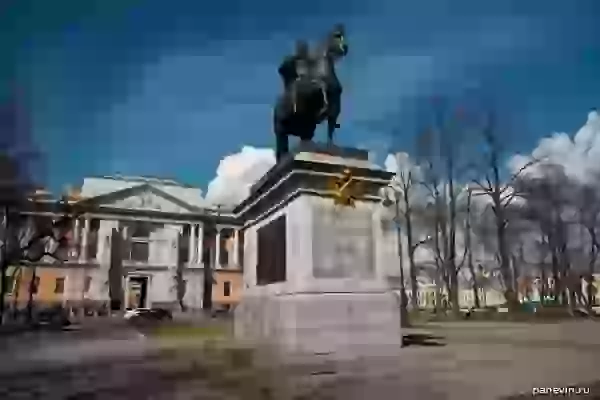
236,281
48,275
47,283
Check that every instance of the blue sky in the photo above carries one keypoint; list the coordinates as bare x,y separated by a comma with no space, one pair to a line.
170,88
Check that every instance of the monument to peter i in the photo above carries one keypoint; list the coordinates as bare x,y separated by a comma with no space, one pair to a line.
313,280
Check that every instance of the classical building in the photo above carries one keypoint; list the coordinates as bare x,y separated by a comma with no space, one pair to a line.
157,234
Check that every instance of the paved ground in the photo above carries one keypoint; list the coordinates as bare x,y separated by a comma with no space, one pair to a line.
466,360
489,360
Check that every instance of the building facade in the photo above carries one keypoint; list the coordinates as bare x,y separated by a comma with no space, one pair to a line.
142,241
146,242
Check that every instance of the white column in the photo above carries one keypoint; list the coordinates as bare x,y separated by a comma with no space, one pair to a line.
126,293
236,247
125,237
76,250
200,243
84,240
218,249
192,241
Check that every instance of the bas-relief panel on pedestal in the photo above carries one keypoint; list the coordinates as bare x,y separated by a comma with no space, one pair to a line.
342,241
271,251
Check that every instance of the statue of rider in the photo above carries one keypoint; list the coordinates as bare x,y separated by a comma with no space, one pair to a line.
294,70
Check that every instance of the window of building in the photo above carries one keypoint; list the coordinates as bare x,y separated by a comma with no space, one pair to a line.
93,239
225,245
140,251
241,249
59,285
88,284
143,229
184,253
138,246
9,283
226,289
184,245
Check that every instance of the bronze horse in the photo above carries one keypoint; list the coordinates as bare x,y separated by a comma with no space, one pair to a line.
311,97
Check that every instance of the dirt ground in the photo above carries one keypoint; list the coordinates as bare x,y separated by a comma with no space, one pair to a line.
460,360
487,360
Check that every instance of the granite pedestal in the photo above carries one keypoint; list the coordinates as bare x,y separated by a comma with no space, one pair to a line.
312,277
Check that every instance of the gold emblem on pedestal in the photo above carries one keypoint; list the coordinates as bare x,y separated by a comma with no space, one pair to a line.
345,188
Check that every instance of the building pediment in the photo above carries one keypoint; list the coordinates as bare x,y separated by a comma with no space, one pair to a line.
143,198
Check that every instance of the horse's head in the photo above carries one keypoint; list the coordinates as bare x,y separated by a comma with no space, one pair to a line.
336,44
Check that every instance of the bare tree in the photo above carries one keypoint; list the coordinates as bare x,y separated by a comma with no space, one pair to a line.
390,197
434,216
549,205
469,250
501,193
402,185
439,150
27,240
588,207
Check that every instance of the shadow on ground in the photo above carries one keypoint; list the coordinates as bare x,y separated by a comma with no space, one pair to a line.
422,339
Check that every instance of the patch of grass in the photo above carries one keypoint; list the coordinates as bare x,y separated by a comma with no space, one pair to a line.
227,369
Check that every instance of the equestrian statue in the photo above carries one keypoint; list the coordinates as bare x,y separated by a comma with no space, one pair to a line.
312,91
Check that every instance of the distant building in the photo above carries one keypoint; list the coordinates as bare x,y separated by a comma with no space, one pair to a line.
159,225
149,229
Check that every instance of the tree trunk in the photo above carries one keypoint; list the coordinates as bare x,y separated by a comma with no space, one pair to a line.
17,286
4,264
591,267
468,245
414,287
32,291
514,277
453,296
180,283
452,270
207,282
505,270
565,267
404,320
3,269
590,280
543,285
438,273
474,285
556,284
589,291
115,271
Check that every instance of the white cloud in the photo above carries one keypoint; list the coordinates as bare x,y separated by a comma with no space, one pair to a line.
236,174
578,154
399,162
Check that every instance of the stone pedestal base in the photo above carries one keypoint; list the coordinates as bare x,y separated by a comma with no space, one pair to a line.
342,325
313,275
